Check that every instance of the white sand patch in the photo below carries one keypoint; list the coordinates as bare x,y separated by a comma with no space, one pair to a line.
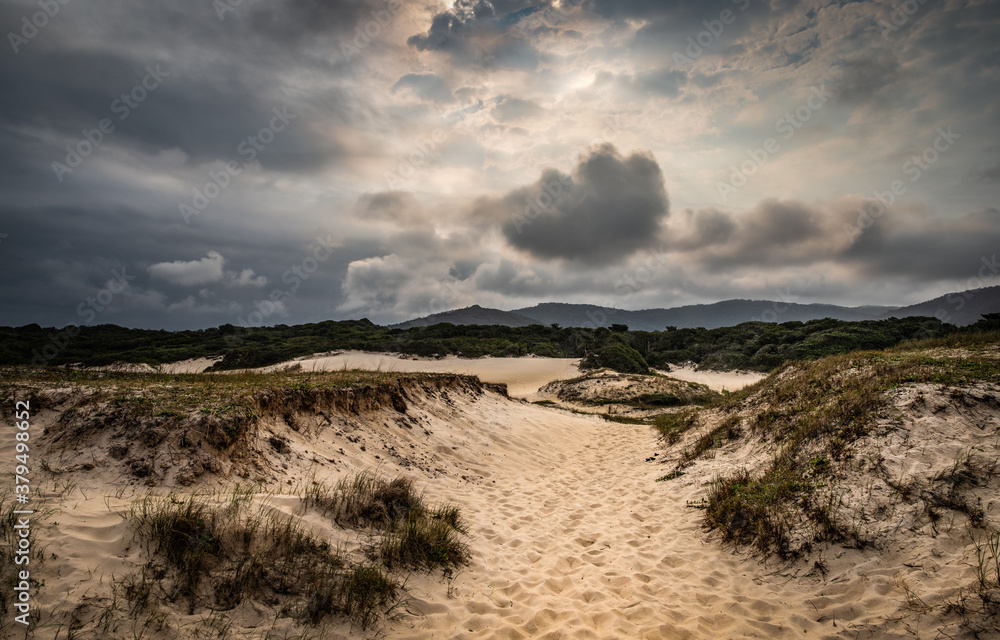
193,365
523,376
717,380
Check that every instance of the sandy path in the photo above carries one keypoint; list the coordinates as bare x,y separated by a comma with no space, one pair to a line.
576,540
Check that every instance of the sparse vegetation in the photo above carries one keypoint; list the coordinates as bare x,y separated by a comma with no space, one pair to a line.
217,556
413,534
673,425
366,499
814,413
213,552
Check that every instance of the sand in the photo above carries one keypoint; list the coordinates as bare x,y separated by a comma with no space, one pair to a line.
717,380
194,365
523,376
571,534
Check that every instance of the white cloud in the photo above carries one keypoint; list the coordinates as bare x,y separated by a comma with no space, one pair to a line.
245,278
191,272
205,271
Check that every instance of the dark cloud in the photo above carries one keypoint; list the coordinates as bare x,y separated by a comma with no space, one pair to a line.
164,100
991,174
610,207
483,34
773,233
295,19
929,251
426,86
898,243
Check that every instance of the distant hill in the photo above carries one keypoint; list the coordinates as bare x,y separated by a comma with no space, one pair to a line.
709,316
470,315
959,309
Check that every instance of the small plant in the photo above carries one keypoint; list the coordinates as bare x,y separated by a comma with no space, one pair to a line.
414,535
366,500
728,429
673,425
673,475
747,510
425,542
988,562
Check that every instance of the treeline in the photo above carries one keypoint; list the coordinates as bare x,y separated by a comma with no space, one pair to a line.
756,346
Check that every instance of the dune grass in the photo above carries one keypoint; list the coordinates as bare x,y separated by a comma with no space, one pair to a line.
224,406
413,534
814,412
213,552
216,556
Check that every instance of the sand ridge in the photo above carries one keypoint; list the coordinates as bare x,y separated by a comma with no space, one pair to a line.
524,376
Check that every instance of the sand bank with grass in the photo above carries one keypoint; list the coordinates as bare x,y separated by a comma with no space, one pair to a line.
523,376
716,380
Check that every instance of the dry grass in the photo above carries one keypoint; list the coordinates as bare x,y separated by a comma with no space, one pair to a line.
413,534
813,413
214,556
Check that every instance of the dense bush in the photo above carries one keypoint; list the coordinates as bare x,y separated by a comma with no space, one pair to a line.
757,346
619,357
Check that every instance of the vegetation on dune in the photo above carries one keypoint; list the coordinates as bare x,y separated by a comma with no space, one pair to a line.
217,556
227,405
814,412
214,552
757,346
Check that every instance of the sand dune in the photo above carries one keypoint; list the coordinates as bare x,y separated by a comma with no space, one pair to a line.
523,376
570,532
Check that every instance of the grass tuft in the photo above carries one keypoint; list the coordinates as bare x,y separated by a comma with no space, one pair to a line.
218,556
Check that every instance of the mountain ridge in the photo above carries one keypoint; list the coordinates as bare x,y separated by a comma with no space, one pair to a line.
960,308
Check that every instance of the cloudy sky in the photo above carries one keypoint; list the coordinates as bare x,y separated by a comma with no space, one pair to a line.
190,163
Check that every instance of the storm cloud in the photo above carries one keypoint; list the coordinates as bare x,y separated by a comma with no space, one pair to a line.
434,155
609,207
